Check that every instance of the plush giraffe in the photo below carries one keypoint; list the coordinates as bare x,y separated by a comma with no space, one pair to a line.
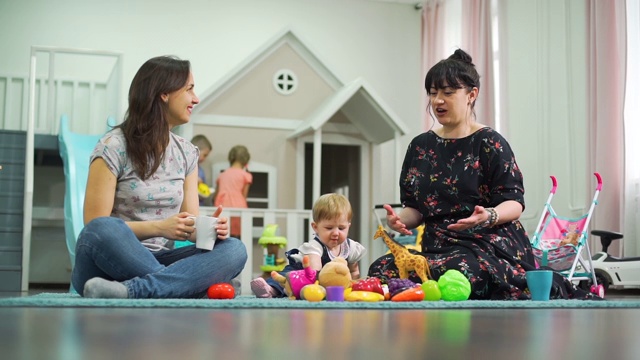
405,261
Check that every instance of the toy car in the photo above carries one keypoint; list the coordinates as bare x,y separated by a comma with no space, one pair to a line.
610,270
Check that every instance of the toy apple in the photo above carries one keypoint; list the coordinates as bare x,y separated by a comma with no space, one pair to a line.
221,291
371,284
431,290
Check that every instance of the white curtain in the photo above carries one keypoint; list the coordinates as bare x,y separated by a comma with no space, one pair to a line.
606,89
477,42
433,47
440,37
631,240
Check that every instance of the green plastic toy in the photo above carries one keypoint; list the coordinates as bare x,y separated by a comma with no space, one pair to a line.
431,290
272,243
454,286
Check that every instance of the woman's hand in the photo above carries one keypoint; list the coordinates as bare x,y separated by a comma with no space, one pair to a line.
177,227
394,222
222,228
479,216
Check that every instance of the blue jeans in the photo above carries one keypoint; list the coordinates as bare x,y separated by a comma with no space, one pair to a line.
107,248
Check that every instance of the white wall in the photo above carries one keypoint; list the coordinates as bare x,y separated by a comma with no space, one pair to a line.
378,41
375,40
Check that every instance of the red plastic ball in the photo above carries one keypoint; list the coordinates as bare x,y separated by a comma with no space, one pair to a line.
221,291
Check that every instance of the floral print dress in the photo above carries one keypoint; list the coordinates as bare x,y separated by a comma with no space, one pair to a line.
445,179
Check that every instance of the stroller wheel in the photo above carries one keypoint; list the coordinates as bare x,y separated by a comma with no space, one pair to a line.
598,290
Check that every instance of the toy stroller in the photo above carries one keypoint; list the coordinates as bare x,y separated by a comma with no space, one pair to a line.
559,241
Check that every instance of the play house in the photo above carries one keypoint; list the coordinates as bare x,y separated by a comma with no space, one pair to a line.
309,132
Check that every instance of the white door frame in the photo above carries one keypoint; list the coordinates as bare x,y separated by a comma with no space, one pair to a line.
365,186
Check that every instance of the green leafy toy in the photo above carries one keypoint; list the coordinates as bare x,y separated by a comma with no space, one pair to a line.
454,286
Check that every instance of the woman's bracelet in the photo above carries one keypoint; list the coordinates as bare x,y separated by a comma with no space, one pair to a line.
493,218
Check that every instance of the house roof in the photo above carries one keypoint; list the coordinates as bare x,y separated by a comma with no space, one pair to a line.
363,107
366,111
286,36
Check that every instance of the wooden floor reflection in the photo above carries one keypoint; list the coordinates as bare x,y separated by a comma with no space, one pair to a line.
80,333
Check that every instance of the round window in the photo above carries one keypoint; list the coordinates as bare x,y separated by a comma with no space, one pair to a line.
285,81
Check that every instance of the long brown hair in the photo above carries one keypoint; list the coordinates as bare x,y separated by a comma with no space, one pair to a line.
145,126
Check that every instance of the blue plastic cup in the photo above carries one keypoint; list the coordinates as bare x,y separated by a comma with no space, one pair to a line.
539,283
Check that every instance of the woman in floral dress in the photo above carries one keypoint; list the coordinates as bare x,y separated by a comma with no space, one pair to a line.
462,182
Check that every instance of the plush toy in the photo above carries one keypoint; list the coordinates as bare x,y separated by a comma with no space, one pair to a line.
570,238
570,235
335,273
295,280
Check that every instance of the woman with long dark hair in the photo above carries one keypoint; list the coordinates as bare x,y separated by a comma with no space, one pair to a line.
142,195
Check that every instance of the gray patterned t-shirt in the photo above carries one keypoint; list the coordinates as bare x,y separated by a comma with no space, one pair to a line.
156,198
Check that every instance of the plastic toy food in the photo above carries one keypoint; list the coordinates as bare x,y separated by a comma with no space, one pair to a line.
454,286
385,291
313,293
204,189
431,290
370,284
368,296
221,291
412,294
399,285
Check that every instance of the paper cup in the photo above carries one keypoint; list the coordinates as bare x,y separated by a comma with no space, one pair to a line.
206,233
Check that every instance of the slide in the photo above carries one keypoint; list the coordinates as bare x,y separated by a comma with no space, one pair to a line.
75,150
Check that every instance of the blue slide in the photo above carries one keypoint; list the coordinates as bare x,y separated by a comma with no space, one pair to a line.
75,150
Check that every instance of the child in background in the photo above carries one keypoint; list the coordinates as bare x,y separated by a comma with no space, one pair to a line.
331,221
204,145
232,186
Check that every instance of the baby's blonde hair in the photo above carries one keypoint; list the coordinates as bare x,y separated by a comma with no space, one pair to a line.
239,153
330,206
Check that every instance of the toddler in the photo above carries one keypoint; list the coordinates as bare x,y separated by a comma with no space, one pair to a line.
232,186
331,221
204,145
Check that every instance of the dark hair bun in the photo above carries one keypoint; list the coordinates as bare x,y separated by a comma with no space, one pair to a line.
460,55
